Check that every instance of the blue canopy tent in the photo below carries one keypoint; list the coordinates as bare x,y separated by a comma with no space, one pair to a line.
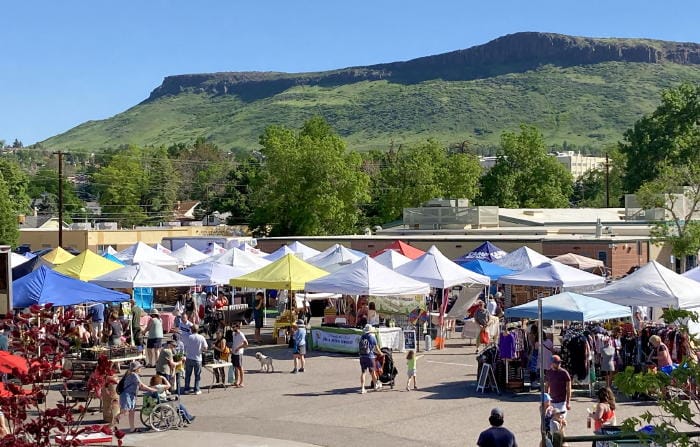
484,252
493,271
570,307
44,286
112,258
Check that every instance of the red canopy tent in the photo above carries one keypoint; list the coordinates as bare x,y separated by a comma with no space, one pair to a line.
403,248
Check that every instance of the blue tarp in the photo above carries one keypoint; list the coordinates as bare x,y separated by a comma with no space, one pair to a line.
493,271
570,307
44,286
113,258
484,252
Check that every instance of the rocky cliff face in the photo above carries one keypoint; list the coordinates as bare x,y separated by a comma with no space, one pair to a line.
508,54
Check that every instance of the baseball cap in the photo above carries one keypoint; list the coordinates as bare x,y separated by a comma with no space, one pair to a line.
497,412
368,328
556,359
135,366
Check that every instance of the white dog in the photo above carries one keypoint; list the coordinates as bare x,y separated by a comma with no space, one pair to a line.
265,362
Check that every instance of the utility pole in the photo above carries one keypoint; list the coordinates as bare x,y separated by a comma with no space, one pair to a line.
60,197
607,182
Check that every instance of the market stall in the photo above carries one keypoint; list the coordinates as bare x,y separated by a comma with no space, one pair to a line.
87,265
346,340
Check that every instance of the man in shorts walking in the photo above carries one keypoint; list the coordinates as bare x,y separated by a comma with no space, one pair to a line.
238,344
368,351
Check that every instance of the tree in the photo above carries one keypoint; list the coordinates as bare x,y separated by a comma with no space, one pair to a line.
590,189
308,183
676,190
161,185
120,186
9,229
671,135
412,175
44,184
524,175
17,182
236,195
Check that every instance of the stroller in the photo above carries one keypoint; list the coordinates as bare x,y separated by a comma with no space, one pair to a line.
389,371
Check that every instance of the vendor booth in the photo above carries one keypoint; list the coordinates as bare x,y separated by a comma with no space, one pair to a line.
370,281
391,259
521,259
141,252
87,265
486,252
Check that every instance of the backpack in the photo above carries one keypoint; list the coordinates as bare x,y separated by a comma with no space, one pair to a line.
120,385
364,345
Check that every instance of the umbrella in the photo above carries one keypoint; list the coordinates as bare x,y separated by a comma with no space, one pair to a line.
9,362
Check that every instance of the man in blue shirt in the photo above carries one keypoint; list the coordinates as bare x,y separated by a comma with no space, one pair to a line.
97,315
496,435
368,348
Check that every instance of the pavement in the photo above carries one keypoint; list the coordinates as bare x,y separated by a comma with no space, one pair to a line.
323,406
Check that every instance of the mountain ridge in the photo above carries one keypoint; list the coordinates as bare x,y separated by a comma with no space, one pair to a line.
512,53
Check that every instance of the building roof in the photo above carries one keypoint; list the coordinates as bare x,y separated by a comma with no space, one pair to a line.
559,216
184,210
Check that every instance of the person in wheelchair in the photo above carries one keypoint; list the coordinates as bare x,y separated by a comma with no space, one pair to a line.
162,387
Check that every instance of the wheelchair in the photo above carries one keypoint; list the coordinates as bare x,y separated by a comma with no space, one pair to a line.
161,414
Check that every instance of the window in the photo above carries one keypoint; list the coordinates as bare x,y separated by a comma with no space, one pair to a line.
603,256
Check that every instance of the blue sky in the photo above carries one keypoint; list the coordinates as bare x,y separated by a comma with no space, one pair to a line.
66,62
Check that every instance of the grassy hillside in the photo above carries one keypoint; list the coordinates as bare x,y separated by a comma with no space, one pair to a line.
589,105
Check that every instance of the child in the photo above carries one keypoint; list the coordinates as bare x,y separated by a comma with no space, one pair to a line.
557,424
411,369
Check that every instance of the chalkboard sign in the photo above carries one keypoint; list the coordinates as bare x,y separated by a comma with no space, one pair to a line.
409,340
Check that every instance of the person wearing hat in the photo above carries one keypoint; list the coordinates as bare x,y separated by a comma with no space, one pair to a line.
368,351
127,398
155,338
547,410
299,337
496,435
165,365
559,385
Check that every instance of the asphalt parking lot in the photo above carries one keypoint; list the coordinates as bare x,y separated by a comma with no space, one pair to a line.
323,406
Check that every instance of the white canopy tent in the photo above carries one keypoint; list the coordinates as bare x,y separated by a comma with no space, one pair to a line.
521,259
214,249
143,275
440,272
213,273
653,285
331,249
392,259
279,253
335,259
239,258
304,252
553,274
367,277
142,253
189,255
17,259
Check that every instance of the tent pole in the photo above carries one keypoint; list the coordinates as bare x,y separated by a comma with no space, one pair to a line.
540,355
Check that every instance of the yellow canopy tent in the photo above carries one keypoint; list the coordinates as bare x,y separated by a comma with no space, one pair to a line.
288,272
87,265
57,256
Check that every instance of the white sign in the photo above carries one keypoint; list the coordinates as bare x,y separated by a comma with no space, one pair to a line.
336,341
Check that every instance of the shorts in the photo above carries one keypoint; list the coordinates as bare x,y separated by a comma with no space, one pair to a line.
367,363
258,320
127,401
300,350
97,326
560,406
411,372
237,360
154,343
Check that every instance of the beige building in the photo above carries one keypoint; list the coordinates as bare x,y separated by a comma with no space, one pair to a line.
574,162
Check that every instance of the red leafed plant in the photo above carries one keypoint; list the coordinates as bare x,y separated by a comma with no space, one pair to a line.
43,338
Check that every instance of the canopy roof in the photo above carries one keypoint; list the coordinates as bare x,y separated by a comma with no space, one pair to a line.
213,273
241,259
244,246
332,249
288,272
368,277
279,253
493,271
302,250
521,259
57,256
693,274
87,265
552,274
143,275
403,248
581,262
335,259
162,249
484,252
17,259
571,307
44,286
189,255
652,285
391,259
214,249
112,258
438,271
141,252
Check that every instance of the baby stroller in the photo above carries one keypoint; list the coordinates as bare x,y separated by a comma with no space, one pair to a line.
389,372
